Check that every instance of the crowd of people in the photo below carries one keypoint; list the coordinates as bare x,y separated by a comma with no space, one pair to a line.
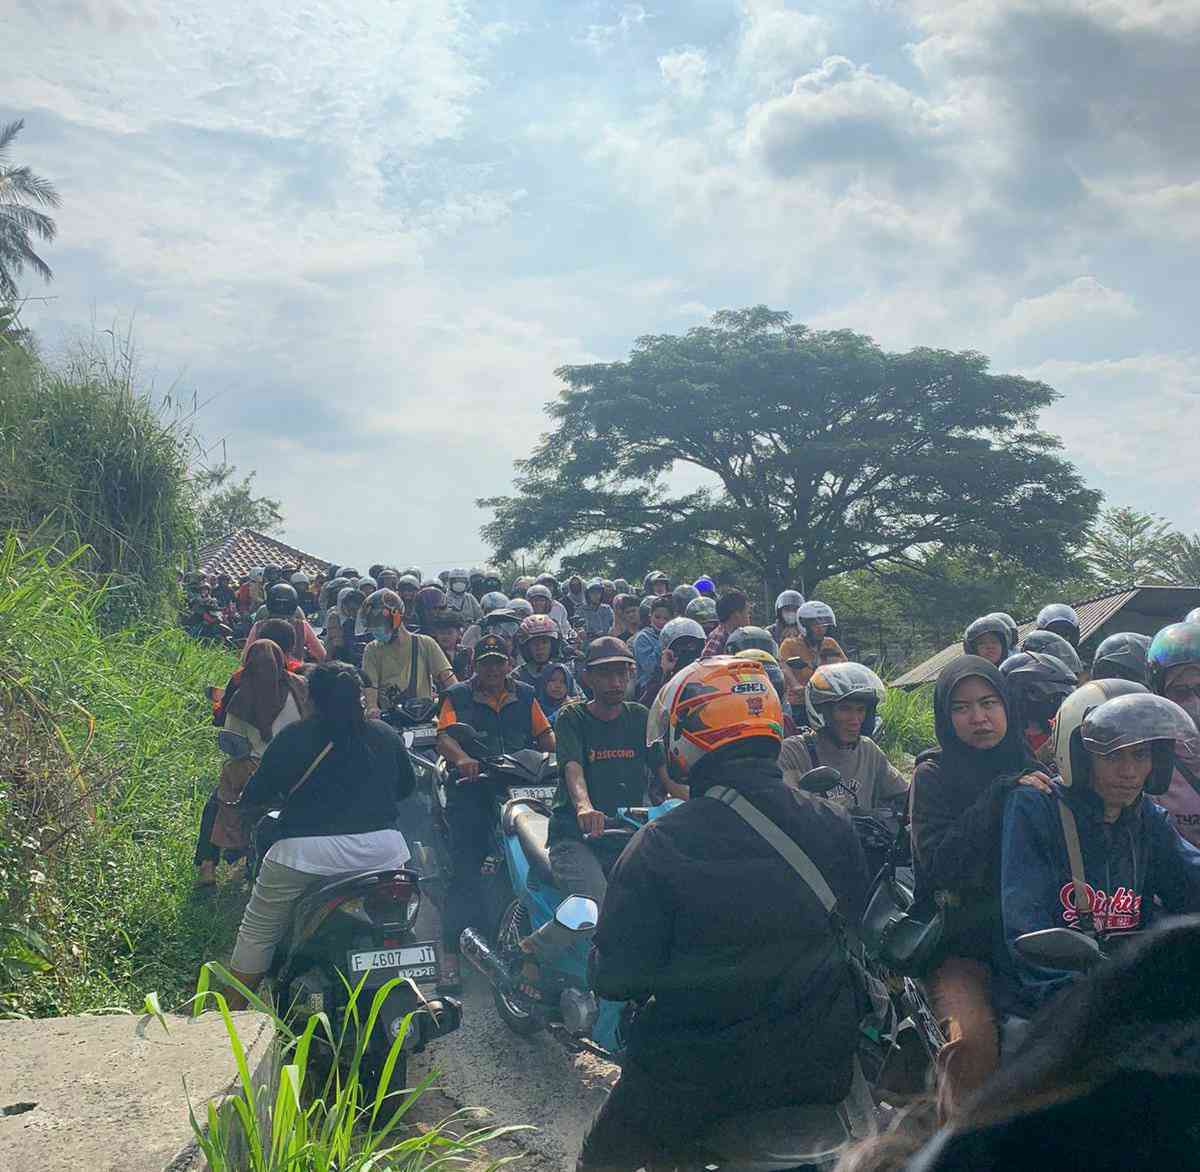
1060,793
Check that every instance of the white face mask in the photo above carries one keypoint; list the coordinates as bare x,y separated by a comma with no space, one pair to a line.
789,615
458,586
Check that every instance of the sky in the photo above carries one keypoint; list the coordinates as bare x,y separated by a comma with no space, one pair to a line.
366,232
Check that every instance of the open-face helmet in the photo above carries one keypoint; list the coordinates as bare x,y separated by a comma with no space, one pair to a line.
831,683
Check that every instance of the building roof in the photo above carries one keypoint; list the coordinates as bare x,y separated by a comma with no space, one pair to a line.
1168,602
237,553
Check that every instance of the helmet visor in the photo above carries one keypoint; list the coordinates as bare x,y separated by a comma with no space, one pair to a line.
1135,720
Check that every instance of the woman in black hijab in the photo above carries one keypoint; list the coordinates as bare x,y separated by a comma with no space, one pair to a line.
958,795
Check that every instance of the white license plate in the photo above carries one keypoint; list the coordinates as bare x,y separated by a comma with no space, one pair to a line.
424,734
535,793
418,961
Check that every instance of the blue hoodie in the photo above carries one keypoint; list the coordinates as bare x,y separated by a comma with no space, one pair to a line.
1128,866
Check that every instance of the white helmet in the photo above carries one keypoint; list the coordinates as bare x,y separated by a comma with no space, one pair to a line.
817,612
256,574
1071,713
680,628
300,580
792,599
493,600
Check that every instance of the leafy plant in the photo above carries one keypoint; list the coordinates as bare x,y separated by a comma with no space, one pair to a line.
22,193
322,1116
908,725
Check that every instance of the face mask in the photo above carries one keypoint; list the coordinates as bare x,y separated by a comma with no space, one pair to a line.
458,587
789,616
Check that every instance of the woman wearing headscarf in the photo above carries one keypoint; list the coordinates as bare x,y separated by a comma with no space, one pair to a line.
958,796
268,698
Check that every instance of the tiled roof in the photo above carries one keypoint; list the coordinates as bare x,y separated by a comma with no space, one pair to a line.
1093,614
240,551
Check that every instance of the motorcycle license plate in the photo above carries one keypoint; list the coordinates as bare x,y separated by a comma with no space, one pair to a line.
533,793
423,735
418,961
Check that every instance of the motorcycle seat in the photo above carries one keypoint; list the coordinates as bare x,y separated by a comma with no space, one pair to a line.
530,824
781,1138
313,900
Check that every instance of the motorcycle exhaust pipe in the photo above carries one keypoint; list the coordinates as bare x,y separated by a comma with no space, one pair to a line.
485,960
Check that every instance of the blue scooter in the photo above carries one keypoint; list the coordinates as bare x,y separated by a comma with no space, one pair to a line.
548,989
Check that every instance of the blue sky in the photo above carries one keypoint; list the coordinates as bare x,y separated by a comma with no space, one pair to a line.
369,230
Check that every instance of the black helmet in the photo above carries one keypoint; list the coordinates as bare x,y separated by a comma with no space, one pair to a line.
1048,643
655,576
622,602
1037,685
1061,619
550,582
1122,657
989,624
349,572
1137,720
489,582
375,570
282,600
746,637
683,594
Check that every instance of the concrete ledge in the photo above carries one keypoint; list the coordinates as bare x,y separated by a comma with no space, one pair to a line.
107,1092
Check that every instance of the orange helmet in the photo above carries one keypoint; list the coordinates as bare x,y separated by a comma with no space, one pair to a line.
710,704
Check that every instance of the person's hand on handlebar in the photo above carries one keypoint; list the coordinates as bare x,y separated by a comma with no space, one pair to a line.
468,769
591,822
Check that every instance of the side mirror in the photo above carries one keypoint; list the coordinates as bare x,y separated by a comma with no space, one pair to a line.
820,780
419,708
1059,948
467,737
576,913
233,744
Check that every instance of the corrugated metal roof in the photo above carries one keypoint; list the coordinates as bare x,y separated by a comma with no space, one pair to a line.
1093,614
240,551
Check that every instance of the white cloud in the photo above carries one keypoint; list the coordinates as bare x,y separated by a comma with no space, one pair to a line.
685,71
602,37
1081,302
777,43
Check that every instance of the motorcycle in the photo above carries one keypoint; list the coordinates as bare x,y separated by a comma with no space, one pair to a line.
524,774
550,991
357,929
415,719
900,1049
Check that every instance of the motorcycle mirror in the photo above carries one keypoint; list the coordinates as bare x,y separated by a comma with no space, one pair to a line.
820,780
1059,948
233,744
577,913
464,734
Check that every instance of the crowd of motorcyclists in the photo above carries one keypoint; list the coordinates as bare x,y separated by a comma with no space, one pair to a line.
1060,794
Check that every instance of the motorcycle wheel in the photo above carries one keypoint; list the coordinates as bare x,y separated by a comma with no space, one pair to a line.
513,925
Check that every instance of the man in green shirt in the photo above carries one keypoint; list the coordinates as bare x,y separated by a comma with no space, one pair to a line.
604,763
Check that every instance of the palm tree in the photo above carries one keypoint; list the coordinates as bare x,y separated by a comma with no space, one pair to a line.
20,222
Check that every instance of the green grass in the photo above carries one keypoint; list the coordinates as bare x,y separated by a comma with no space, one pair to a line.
907,722
109,754
321,1116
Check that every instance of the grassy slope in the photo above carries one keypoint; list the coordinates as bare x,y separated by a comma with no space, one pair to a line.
907,724
113,898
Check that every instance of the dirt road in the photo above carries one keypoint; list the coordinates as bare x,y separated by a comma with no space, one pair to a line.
520,1081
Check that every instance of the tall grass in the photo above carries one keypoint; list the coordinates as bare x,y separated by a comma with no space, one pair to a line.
907,723
108,755
87,459
319,1115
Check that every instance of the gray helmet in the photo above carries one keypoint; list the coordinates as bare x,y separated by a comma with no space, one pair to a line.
789,598
536,591
757,637
1192,616
1059,614
1048,643
1138,720
1011,623
680,628
989,624
349,594
682,595
817,612
493,600
833,682
521,607
1123,656
703,609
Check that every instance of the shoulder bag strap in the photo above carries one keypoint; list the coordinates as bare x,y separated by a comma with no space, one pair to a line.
1189,775
1083,902
786,846
311,769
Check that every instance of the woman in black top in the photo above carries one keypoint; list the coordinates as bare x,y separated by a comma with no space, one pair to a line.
340,821
958,795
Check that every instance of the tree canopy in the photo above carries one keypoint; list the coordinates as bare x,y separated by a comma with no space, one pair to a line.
820,454
22,193
226,504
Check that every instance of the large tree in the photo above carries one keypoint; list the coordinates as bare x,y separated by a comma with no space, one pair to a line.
822,454
22,193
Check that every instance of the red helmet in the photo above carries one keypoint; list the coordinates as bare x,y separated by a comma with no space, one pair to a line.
535,625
